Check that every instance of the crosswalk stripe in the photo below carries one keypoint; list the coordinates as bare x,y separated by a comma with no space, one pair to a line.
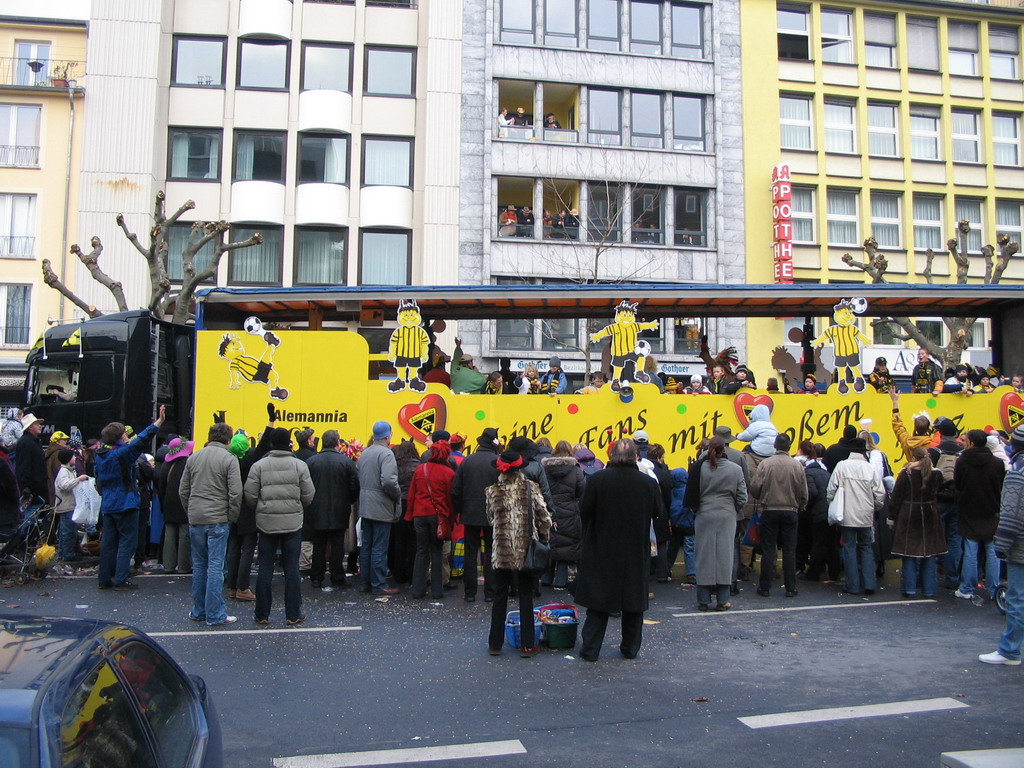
403,756
867,604
851,713
215,632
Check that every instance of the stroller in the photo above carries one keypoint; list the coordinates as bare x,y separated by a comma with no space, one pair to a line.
24,552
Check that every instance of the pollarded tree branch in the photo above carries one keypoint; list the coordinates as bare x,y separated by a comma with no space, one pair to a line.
92,263
51,279
875,265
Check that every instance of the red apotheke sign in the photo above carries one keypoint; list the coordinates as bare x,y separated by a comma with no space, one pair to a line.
782,223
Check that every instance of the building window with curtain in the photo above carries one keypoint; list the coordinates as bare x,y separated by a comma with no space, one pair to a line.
880,40
560,23
1006,139
924,132
963,48
323,158
882,130
17,226
803,215
836,36
17,314
842,217
326,67
688,132
263,64
390,72
646,124
257,264
259,157
1009,220
320,255
923,43
687,31
928,222
966,137
517,21
177,240
795,122
840,127
194,154
648,216
690,214
885,219
198,62
644,27
1004,52
385,256
19,135
970,209
387,162
605,117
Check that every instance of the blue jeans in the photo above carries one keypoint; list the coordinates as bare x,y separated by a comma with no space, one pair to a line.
859,559
290,544
66,533
954,544
117,545
969,572
1010,642
209,544
927,567
373,555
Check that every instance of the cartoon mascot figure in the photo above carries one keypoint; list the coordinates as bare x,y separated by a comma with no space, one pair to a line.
624,332
243,367
408,349
844,336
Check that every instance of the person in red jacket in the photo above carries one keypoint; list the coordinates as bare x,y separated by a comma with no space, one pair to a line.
430,509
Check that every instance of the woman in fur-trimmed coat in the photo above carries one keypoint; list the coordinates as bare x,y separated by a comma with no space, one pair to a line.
565,478
511,502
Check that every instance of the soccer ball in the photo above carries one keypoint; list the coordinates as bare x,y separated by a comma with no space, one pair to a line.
643,348
859,306
252,325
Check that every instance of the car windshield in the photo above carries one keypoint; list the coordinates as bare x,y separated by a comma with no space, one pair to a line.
14,747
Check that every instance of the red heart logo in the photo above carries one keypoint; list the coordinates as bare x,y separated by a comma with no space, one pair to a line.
1011,410
422,418
744,403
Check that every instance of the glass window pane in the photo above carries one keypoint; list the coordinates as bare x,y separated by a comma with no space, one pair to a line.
517,21
604,221
688,123
689,218
646,120
263,65
923,43
259,157
645,23
384,258
257,263
198,62
195,154
687,32
387,162
323,159
603,24
319,256
177,240
514,334
390,72
792,20
326,67
560,18
17,314
648,224
605,118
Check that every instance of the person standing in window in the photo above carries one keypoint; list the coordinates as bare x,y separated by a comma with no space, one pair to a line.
503,122
550,122
520,117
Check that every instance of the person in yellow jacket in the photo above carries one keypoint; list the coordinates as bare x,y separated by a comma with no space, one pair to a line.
922,428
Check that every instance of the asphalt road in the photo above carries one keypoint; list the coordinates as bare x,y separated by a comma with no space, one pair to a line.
365,675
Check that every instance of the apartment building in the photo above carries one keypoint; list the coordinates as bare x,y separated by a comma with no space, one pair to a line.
42,66
894,120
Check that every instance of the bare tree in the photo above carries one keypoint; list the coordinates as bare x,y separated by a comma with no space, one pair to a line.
905,329
162,295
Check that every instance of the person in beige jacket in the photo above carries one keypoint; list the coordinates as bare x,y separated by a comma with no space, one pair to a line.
863,495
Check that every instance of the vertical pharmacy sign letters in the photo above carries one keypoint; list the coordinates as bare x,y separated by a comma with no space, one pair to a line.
782,223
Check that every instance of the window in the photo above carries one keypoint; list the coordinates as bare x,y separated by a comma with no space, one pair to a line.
885,219
384,257
932,330
198,61
513,334
690,223
31,63
263,64
326,67
793,38
1009,221
924,132
795,119
604,220
517,21
559,334
387,162
259,157
687,32
603,25
966,141
644,27
842,217
688,123
648,221
970,210
17,304
19,135
963,48
17,225
836,36
879,40
177,240
195,154
882,130
604,125
390,72
1004,52
560,22
323,159
320,256
923,43
839,127
259,264
928,222
803,215
646,130
1006,139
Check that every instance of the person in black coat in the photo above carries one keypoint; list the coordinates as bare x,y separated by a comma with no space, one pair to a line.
841,450
566,480
475,474
30,465
662,529
824,553
177,554
616,511
337,487
10,511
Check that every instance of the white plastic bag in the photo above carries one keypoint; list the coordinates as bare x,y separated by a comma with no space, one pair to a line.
87,503
835,508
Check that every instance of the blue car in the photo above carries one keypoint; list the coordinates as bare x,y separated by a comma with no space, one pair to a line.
79,693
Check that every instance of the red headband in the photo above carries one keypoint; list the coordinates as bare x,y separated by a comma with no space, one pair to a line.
505,467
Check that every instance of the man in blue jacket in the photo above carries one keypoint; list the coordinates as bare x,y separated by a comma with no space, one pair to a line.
117,475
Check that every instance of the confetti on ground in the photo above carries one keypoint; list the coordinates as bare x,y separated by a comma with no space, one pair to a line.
700,699
649,622
381,599
82,607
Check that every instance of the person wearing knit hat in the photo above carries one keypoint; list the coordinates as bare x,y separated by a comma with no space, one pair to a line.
177,552
381,430
1017,439
554,382
810,385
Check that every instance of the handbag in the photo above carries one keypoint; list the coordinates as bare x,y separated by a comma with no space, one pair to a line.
835,507
444,523
538,553
752,538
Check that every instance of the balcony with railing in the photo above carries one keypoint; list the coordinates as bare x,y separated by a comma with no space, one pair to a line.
17,247
43,73
19,156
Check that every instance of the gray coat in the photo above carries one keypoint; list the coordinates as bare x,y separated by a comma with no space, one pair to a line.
721,488
379,493
211,486
278,487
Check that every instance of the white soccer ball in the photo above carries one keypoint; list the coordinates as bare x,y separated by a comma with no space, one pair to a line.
859,306
252,325
643,348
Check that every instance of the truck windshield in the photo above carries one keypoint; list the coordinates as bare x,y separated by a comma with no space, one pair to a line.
55,382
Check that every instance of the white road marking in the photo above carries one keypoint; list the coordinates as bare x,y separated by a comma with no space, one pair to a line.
851,713
215,632
806,608
403,756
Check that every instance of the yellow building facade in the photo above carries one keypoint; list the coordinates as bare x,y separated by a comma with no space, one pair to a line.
894,120
42,71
